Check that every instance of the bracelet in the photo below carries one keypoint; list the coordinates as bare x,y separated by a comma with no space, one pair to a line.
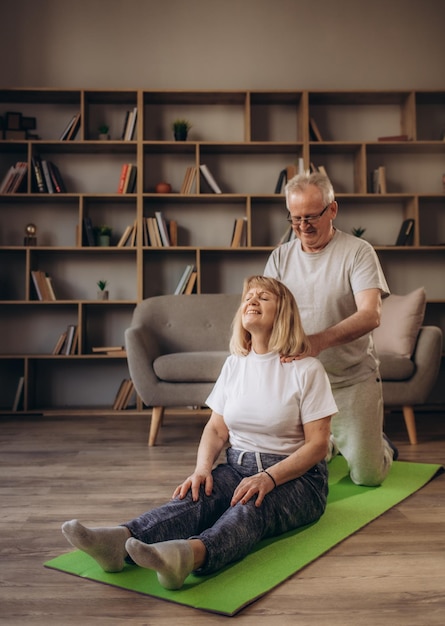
271,477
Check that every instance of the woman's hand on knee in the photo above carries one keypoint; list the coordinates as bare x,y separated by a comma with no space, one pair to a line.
193,484
258,485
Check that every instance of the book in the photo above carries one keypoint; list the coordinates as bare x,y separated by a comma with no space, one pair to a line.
394,138
122,177
131,124
238,235
128,392
125,236
191,283
70,332
314,131
173,232
75,341
119,395
38,174
41,285
184,280
88,232
153,232
74,129
130,181
47,177
281,182
209,178
189,179
18,394
378,180
58,183
14,178
59,344
162,226
406,233
67,128
106,349
50,288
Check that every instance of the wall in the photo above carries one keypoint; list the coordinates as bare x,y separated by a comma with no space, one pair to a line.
223,44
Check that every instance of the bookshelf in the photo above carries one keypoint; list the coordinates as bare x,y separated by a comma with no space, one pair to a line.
246,138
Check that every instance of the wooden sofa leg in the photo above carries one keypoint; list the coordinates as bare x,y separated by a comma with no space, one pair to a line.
410,423
156,420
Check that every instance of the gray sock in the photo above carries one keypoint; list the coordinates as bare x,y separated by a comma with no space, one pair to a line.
172,560
105,545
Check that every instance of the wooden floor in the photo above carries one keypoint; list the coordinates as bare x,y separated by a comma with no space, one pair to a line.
99,470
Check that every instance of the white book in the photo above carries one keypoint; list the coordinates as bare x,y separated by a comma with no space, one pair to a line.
162,226
18,393
209,178
184,280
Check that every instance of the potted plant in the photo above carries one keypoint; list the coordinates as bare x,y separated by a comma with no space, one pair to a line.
181,129
359,231
103,235
102,293
103,132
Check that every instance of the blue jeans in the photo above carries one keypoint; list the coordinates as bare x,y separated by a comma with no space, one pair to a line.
230,533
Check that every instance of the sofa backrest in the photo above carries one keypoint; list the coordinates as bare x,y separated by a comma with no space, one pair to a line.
189,323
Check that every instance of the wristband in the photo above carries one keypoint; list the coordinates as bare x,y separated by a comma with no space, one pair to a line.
270,476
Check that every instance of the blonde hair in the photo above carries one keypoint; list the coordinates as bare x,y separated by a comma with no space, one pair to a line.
287,337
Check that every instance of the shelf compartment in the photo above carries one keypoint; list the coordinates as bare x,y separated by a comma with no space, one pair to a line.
344,163
67,267
163,268
110,108
34,328
201,222
105,325
362,116
430,115
268,220
224,271
276,116
118,212
12,275
406,270
371,211
432,220
214,116
11,369
75,382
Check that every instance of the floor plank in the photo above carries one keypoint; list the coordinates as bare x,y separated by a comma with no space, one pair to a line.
99,469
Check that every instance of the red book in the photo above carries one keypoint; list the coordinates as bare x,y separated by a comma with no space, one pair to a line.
123,177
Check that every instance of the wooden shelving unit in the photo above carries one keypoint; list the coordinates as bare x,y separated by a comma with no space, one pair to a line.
245,138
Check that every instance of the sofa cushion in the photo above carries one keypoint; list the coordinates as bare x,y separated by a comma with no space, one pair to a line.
393,367
186,367
402,317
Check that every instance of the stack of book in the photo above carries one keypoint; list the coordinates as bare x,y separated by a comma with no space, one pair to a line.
378,180
157,233
127,179
239,235
109,350
129,124
14,178
124,395
128,237
187,281
71,129
46,176
43,285
68,341
189,180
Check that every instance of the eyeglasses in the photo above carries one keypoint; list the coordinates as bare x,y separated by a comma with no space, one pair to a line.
310,219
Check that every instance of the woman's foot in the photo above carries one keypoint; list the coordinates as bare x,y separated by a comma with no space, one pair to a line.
105,545
172,560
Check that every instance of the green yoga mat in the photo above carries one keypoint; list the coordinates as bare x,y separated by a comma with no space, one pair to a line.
349,508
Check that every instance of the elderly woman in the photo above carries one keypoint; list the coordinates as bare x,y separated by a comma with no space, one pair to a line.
274,419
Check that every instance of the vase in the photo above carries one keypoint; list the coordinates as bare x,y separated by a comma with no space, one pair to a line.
102,295
180,135
103,240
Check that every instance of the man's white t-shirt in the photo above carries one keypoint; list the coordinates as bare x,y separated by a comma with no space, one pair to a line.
265,402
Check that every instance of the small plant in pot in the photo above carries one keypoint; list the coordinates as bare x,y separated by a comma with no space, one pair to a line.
358,231
102,293
103,235
103,132
181,129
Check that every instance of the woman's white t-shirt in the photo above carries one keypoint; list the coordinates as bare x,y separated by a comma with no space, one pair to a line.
265,402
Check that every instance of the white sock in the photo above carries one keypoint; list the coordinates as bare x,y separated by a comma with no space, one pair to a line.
172,560
105,545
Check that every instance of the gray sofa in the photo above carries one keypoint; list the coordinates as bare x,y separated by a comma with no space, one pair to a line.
176,346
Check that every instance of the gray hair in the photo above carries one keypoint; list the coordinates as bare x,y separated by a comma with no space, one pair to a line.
301,181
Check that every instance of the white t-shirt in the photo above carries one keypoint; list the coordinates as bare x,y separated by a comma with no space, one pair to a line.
324,285
265,402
